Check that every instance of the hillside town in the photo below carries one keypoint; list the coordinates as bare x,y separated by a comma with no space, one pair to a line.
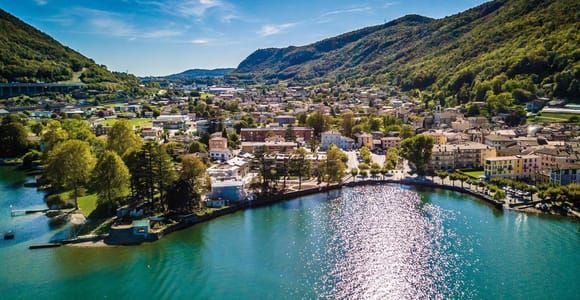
237,145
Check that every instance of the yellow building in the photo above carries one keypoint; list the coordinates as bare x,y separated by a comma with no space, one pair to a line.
512,167
468,155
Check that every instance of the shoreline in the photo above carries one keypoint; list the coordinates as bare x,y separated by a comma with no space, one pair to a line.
191,220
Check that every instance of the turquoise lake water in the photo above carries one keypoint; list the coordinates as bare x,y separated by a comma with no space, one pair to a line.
382,242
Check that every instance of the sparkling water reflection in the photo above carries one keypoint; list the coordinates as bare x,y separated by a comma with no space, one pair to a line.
386,243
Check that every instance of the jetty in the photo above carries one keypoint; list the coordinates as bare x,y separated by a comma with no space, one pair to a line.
22,212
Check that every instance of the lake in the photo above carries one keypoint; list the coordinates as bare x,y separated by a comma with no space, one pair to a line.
366,242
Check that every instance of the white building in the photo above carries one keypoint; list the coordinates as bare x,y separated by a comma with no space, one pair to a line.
334,137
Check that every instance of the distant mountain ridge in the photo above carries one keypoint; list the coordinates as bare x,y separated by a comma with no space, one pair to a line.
196,73
532,42
29,55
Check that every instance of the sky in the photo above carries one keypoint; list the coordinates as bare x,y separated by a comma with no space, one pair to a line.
161,37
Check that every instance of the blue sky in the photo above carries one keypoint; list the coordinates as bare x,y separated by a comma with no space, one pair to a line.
160,37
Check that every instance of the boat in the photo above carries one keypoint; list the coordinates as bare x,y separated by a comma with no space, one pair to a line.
9,235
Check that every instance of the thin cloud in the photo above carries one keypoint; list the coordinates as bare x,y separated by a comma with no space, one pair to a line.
345,11
389,4
41,2
272,29
200,42
115,24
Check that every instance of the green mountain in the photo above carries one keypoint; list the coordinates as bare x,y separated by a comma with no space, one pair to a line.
29,55
503,46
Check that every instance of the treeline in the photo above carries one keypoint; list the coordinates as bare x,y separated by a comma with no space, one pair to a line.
119,167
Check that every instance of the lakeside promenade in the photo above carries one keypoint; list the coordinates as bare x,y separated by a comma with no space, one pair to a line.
186,221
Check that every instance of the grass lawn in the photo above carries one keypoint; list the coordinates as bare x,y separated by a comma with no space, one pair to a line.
474,174
137,122
87,203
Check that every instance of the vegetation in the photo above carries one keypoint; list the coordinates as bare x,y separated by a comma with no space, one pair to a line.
69,166
110,178
418,150
501,52
122,138
28,55
13,138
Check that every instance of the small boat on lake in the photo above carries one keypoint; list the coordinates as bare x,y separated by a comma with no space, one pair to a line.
9,235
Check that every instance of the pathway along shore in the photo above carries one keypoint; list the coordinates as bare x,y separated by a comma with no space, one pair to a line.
190,220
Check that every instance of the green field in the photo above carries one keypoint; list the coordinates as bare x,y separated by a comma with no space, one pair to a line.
551,117
137,122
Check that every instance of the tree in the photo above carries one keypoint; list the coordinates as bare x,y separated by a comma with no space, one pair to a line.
318,121
334,167
365,154
193,171
418,150
299,165
407,131
442,175
53,135
197,147
78,130
13,139
152,171
110,178
347,123
122,139
391,159
70,165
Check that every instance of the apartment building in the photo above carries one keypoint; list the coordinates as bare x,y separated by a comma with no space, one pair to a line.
519,167
468,155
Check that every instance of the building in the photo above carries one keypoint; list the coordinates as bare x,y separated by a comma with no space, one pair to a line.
519,167
230,190
365,139
171,122
269,146
260,134
285,120
235,168
218,149
101,129
334,137
438,137
499,142
468,155
567,175
152,134
390,142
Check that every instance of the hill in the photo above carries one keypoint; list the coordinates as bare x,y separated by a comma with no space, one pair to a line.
29,55
196,73
503,50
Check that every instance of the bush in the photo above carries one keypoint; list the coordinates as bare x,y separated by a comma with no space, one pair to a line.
56,201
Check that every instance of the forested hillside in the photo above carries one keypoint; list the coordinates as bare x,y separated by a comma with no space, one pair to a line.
28,55
502,52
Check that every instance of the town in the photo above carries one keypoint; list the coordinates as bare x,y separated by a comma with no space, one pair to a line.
131,169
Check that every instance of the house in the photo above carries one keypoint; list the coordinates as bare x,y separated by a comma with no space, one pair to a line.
364,139
390,142
171,122
499,142
141,228
334,137
235,168
152,134
218,149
